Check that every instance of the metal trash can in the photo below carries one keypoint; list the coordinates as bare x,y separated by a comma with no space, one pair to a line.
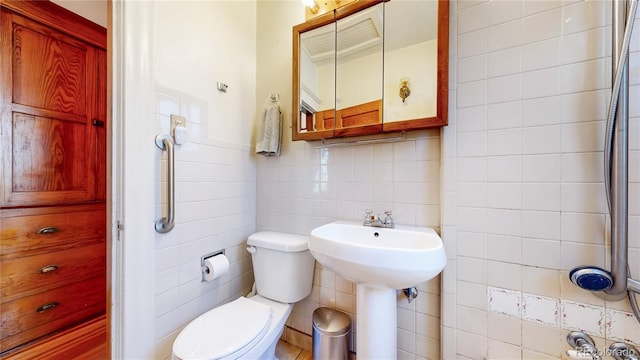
331,331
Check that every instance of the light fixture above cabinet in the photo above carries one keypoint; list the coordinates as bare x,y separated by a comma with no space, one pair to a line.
314,8
312,5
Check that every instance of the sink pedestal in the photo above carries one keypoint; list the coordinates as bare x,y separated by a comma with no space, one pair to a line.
376,329
378,261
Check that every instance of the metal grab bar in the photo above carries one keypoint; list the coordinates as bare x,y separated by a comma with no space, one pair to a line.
166,224
617,176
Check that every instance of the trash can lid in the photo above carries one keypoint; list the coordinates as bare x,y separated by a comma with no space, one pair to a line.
330,321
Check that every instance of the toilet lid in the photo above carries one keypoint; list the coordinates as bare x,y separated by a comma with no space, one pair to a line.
227,331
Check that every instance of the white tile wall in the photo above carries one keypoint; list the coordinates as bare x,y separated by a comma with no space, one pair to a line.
582,317
215,210
524,176
310,185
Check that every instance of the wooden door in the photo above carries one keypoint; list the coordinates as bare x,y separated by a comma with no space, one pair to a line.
52,111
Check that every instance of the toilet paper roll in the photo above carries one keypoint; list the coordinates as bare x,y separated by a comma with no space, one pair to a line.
215,267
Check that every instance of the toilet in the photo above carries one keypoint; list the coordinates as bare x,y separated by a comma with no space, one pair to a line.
250,327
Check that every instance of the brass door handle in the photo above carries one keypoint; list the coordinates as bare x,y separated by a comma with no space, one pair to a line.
48,230
48,269
47,306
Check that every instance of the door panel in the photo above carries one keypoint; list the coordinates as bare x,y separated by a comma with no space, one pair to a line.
49,69
49,102
48,154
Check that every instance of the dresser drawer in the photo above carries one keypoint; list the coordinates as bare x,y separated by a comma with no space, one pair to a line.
31,317
29,275
36,234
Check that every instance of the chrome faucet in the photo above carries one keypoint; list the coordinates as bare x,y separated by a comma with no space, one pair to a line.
622,351
583,346
411,293
375,221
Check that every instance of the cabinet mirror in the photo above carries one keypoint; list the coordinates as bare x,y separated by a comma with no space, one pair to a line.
359,72
315,103
371,67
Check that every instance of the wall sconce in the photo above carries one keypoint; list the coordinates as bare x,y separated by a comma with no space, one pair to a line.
404,89
312,5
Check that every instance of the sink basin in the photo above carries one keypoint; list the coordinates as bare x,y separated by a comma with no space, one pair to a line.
392,258
378,260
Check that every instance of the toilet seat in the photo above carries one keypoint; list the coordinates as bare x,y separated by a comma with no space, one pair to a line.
227,331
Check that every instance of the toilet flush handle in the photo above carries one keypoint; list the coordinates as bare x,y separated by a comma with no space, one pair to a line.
252,249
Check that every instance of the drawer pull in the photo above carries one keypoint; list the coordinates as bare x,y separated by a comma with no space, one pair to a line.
48,269
46,307
48,230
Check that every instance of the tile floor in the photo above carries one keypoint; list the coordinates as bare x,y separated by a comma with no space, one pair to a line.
286,351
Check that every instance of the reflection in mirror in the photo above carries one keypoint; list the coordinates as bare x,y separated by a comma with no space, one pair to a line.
317,80
370,67
359,72
410,60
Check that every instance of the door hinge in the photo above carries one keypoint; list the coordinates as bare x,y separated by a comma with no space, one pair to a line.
120,227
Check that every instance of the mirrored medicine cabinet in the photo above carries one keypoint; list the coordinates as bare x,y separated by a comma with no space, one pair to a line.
371,67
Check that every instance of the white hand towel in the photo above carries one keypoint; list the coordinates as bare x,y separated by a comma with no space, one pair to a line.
270,131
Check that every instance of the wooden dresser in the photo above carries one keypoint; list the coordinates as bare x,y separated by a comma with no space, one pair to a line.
53,181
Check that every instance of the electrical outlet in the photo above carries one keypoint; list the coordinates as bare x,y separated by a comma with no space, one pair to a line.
222,87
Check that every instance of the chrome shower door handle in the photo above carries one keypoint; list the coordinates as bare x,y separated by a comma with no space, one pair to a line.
166,223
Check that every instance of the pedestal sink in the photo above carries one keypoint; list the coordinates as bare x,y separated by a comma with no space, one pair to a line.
378,261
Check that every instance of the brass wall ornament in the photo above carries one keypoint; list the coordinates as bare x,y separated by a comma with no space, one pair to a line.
404,89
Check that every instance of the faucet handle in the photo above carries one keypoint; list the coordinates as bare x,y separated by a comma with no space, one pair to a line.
388,220
367,216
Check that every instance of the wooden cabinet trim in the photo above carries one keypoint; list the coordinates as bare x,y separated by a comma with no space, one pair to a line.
44,210
76,302
23,276
61,19
19,235
372,108
84,341
442,78
30,110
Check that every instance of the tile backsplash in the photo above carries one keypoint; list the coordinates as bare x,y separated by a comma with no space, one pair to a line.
215,210
310,185
523,194
597,321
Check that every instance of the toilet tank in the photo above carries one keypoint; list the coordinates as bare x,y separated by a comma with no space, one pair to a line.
282,265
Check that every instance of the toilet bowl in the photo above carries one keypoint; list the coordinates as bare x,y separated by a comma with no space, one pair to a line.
249,327
244,328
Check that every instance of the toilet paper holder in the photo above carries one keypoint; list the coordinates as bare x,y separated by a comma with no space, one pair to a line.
203,268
